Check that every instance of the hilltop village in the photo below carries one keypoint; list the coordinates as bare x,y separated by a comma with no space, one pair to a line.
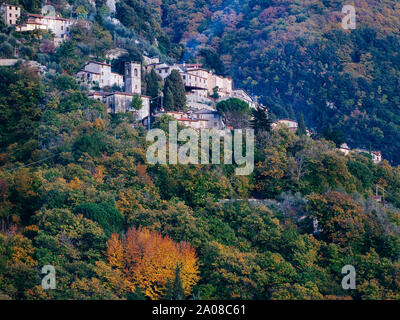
204,89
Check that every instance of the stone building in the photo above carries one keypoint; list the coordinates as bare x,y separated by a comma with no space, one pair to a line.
200,84
223,85
96,73
213,118
291,124
117,102
133,77
184,119
10,13
59,26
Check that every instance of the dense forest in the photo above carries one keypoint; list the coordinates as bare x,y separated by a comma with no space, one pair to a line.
76,191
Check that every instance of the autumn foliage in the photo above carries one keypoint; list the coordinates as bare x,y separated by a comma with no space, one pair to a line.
148,261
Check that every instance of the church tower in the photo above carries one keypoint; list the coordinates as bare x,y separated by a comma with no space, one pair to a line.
133,78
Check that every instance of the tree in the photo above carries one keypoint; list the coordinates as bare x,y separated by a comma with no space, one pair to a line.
301,129
235,112
153,84
174,89
107,216
212,61
137,102
67,56
149,262
334,135
342,220
168,99
30,5
175,289
153,89
81,12
261,121
6,50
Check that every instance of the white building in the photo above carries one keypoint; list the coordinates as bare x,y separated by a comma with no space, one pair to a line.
96,73
223,85
117,102
291,124
10,13
120,102
185,119
200,84
344,148
59,26
214,119
162,69
376,156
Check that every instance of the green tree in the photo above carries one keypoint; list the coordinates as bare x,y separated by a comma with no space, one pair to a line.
174,92
261,121
301,129
137,102
153,88
235,112
67,56
107,215
175,289
153,84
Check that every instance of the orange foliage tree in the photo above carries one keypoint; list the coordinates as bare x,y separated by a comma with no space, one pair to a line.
148,260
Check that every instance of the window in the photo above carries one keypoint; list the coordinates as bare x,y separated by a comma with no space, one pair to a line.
136,72
62,27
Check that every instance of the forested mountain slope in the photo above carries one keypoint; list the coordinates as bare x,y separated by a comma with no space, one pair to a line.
297,58
77,192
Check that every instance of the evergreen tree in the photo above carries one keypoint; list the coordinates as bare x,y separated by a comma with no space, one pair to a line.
261,121
169,102
153,83
235,112
175,85
175,289
301,129
153,89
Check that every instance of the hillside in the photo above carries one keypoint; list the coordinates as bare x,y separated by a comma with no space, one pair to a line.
296,57
77,191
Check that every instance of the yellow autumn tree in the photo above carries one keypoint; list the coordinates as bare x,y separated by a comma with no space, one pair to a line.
148,260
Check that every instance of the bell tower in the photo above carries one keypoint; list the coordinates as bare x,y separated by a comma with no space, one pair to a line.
133,78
